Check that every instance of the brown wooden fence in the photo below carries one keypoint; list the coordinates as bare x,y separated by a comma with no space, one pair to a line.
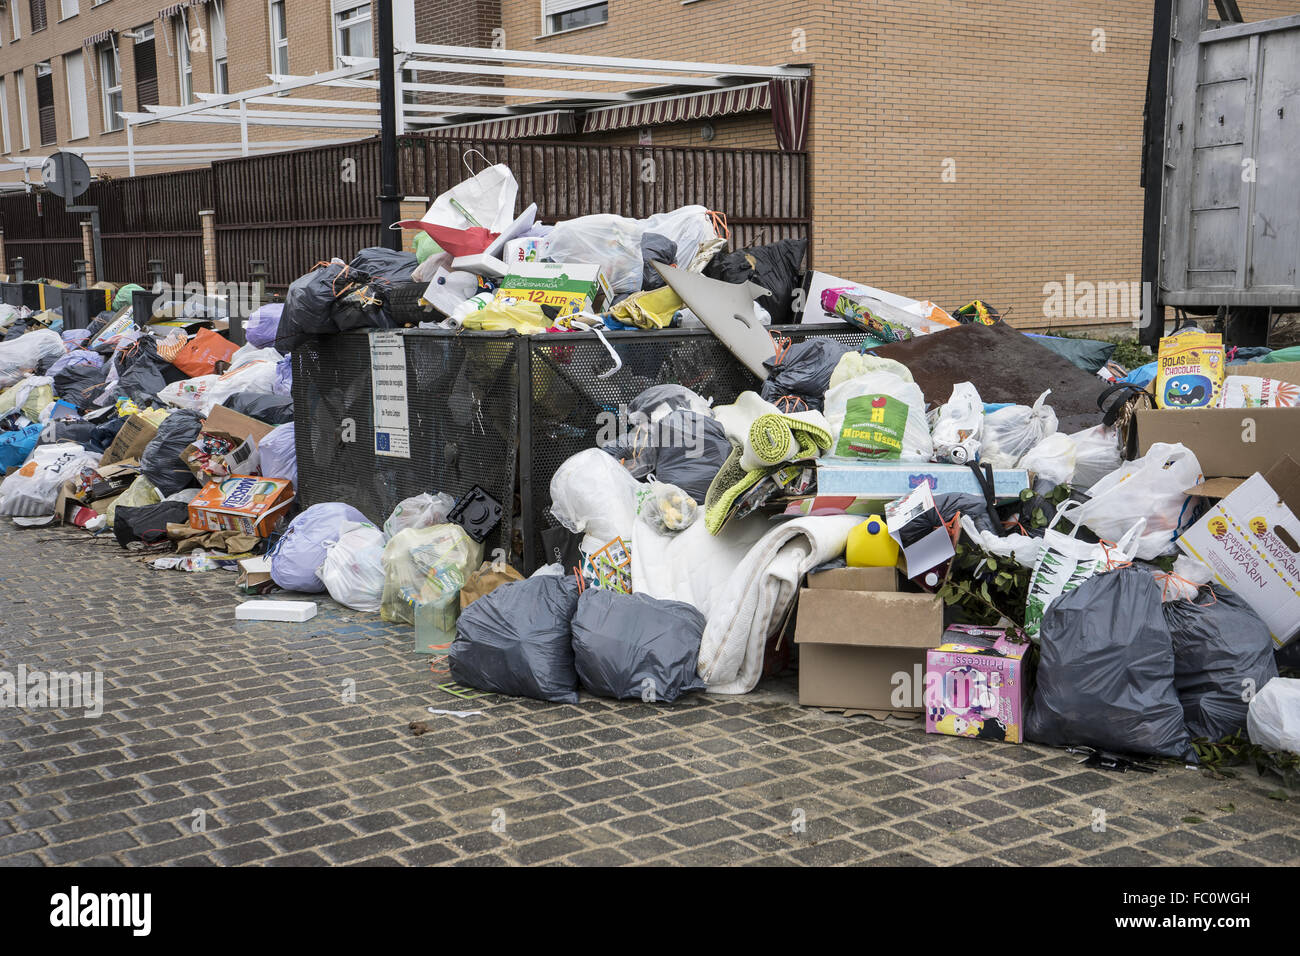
293,209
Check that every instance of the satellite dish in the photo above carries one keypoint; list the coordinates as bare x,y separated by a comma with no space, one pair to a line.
66,175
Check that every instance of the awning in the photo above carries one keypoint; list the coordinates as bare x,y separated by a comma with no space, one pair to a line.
102,37
679,109
551,123
167,13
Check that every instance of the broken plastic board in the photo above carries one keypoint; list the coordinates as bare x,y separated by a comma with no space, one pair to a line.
727,310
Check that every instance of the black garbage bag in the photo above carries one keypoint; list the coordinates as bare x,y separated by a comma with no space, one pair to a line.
79,384
391,265
104,434
684,448
655,248
776,267
74,430
1106,671
1223,653
673,397
804,373
160,461
148,523
973,506
309,303
264,406
516,640
633,646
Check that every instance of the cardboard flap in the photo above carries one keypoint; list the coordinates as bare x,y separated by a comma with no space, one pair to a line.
869,619
1284,478
855,579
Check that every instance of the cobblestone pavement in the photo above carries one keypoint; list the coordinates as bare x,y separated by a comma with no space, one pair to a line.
249,723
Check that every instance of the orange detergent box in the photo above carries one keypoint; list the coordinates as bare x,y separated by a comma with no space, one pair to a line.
247,503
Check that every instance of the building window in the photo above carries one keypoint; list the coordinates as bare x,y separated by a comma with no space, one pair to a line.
46,116
217,31
352,28
13,15
24,136
279,39
74,71
69,8
184,62
110,85
37,8
558,15
146,67
4,113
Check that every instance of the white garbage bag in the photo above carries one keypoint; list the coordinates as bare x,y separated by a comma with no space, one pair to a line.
25,354
1010,433
1096,455
30,492
959,425
1054,459
353,569
1152,488
419,511
1273,720
592,494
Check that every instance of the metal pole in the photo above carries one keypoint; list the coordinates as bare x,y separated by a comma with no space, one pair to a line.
389,198
1153,172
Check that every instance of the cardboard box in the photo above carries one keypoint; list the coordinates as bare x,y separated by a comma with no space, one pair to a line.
855,579
865,649
1229,442
570,286
253,573
246,433
130,441
889,480
976,685
245,503
1251,541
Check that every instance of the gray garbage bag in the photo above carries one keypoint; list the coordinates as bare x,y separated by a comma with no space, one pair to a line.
655,248
1223,655
683,448
160,461
633,646
803,372
516,641
1106,674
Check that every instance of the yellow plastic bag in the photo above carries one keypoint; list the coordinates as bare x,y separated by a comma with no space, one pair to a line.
649,310
525,318
139,493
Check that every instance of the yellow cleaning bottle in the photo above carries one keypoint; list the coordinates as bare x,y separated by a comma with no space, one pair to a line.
870,545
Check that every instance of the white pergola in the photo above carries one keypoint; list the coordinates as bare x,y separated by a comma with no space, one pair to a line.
587,83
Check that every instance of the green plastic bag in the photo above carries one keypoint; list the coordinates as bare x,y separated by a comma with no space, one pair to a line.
123,297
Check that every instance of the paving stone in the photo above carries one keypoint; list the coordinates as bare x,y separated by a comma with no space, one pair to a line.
246,723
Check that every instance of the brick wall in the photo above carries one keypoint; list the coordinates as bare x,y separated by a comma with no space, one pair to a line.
1044,134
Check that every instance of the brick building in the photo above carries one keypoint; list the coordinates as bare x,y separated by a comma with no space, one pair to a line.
976,148
68,66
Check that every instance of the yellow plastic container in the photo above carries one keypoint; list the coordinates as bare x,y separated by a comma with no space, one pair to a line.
870,545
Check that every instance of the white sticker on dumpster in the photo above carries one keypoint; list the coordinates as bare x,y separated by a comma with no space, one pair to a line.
388,394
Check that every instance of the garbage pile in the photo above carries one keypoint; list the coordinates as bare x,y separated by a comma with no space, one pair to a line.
1009,536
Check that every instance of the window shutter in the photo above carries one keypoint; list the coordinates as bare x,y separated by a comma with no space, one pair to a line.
38,14
146,74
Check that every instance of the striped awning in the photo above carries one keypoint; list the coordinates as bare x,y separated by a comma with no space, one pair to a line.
102,37
679,109
551,123
167,13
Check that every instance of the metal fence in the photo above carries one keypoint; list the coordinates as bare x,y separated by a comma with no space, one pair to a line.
293,209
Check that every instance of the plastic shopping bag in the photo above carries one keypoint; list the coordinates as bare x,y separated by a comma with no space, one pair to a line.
353,569
1065,562
200,355
301,550
486,200
1152,488
959,425
879,417
1053,459
30,492
1273,721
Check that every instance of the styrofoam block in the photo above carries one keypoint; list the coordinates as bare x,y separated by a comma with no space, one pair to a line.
295,612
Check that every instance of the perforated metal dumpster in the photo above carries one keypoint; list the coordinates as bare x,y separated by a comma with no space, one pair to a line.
495,409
